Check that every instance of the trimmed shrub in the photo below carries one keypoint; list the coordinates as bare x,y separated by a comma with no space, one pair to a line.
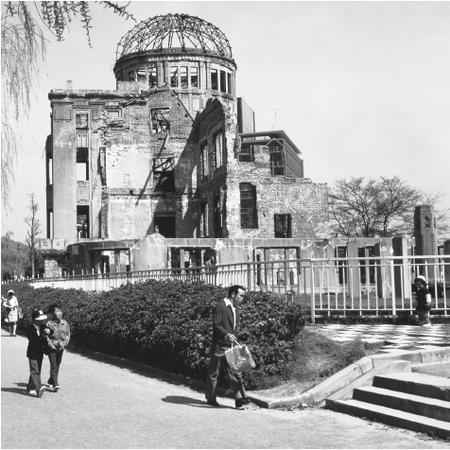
168,324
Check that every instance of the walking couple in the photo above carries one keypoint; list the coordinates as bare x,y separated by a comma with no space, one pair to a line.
47,334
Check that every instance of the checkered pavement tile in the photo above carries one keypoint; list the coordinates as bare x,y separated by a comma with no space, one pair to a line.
393,337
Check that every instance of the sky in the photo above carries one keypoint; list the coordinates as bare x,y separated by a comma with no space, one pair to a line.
362,88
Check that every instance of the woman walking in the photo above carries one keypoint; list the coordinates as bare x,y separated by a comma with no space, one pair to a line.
59,337
12,311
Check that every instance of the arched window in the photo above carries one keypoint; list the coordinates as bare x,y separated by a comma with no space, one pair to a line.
249,212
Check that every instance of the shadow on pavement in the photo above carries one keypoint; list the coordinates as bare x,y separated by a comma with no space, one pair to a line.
16,390
140,368
182,400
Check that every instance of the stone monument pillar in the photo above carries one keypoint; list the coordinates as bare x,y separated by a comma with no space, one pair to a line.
424,230
424,233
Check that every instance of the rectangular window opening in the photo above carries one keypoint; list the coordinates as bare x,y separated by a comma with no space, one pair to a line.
218,149
160,120
214,80
50,171
204,219
82,121
184,77
174,76
217,215
229,83
194,77
82,138
82,221
223,81
142,75
132,76
249,214
163,174
152,76
166,225
204,161
50,224
82,164
276,159
283,225
247,153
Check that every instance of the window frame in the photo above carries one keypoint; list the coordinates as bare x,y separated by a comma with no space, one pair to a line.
249,214
286,227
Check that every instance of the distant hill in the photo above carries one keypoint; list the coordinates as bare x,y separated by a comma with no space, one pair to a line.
15,259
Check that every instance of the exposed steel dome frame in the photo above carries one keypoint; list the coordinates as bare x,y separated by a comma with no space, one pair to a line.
174,31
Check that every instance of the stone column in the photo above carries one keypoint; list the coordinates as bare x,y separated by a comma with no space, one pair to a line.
447,267
402,269
353,270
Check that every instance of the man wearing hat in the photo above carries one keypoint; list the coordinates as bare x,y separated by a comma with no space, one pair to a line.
35,354
423,302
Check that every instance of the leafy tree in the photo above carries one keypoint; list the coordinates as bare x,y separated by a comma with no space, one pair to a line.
23,48
33,232
371,207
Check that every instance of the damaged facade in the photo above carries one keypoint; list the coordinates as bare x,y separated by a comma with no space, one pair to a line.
171,157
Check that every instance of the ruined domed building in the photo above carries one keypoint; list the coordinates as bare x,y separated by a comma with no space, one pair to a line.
168,168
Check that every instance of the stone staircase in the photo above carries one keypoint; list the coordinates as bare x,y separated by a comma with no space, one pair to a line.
415,400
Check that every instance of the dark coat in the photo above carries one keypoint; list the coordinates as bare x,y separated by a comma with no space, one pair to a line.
35,349
223,325
421,298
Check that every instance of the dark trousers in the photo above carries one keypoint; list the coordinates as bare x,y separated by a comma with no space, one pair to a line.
55,362
215,363
34,382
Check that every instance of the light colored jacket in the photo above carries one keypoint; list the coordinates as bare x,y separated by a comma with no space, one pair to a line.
60,333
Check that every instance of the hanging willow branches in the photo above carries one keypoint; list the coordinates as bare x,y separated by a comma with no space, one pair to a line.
24,25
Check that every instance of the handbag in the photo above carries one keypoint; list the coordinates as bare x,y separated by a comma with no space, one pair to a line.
239,358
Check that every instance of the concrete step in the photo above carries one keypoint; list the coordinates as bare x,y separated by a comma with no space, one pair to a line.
392,416
440,369
415,404
415,383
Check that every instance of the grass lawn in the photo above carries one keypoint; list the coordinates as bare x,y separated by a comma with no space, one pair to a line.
316,358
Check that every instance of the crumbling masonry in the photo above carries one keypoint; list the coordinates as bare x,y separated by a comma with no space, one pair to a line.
171,155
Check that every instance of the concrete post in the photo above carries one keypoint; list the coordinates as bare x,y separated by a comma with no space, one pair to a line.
353,262
447,266
402,273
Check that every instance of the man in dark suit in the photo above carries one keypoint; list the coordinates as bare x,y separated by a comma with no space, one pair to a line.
35,352
225,328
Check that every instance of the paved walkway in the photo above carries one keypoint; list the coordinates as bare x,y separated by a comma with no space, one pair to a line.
101,405
391,337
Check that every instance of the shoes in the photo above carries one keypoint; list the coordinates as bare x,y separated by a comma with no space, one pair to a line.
32,392
56,387
241,402
213,403
426,325
41,391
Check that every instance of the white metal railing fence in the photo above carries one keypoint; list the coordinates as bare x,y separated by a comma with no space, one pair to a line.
335,286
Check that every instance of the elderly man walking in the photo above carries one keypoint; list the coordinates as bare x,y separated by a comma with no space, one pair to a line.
225,328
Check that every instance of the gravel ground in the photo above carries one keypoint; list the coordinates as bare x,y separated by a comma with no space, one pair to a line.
101,405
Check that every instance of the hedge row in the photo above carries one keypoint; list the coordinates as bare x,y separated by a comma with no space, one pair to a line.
169,325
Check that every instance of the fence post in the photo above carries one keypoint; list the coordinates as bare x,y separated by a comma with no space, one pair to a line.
313,294
249,276
394,308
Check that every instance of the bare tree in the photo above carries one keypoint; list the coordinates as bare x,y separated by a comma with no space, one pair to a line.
23,48
369,208
33,232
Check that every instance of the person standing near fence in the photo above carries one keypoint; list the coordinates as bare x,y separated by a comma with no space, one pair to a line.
35,352
423,302
225,328
12,311
59,338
